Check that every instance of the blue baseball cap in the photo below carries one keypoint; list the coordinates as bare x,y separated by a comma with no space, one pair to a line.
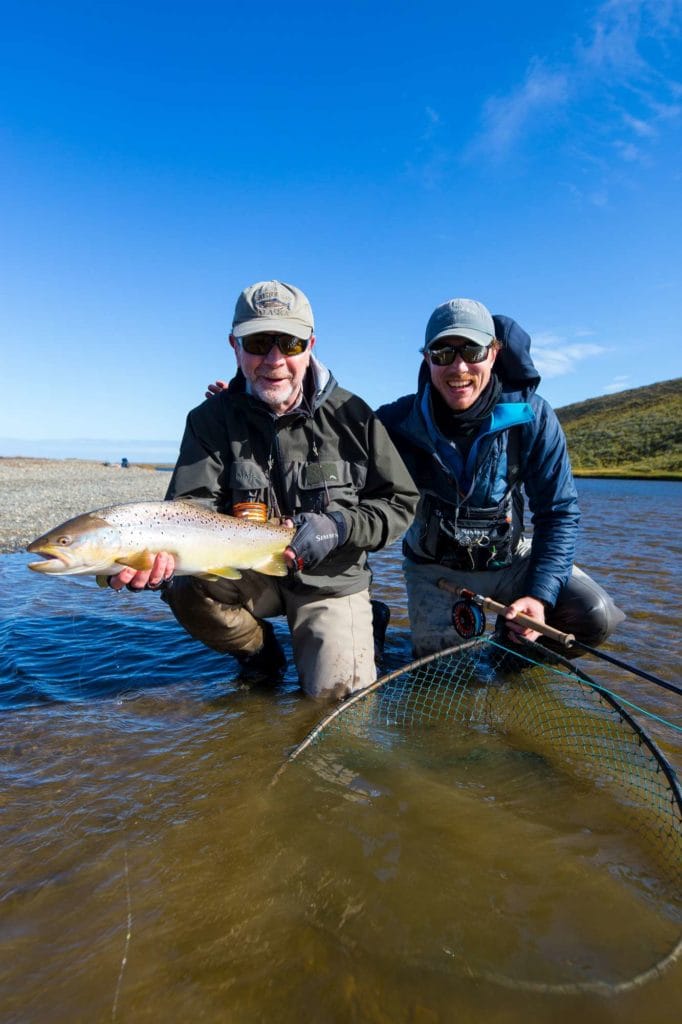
463,318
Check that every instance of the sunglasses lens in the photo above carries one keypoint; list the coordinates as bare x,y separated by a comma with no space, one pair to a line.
260,344
291,346
474,353
470,353
257,344
442,356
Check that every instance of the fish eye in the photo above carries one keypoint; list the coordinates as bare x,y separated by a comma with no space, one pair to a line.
64,540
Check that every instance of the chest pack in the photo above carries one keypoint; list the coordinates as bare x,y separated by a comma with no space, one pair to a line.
471,539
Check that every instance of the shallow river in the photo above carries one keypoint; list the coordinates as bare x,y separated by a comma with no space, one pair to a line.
152,873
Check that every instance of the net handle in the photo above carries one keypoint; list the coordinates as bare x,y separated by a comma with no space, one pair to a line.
487,603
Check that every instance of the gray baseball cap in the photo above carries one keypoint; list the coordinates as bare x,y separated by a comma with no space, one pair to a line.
463,318
273,306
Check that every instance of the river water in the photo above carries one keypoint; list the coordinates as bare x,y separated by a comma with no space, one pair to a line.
151,872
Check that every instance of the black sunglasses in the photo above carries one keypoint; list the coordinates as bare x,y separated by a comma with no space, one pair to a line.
260,344
444,355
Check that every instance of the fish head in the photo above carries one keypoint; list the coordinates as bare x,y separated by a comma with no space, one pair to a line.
86,544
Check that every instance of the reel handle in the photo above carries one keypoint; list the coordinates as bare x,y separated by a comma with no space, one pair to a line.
487,603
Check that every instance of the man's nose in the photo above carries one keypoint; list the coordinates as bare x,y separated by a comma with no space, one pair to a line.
274,355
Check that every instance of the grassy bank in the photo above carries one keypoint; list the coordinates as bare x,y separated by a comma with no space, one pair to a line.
635,434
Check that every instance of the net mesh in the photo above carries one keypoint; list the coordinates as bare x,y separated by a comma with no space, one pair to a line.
545,706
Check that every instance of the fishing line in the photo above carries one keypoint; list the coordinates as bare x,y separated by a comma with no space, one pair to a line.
575,672
129,931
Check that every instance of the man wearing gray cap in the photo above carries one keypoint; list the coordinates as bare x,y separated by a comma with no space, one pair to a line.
284,439
473,435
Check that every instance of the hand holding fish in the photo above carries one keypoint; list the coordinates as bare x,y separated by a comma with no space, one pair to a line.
162,571
318,534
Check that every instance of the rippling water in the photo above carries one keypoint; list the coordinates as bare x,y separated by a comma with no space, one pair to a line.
151,873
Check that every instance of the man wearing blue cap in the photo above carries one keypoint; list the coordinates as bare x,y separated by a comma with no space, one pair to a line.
473,436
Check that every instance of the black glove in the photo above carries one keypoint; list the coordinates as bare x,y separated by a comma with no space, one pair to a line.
316,537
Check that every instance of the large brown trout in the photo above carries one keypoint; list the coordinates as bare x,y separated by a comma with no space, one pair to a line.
202,542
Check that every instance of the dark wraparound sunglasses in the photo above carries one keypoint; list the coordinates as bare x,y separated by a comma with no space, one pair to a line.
260,344
444,355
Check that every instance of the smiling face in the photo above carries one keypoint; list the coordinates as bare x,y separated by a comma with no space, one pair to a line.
460,384
274,378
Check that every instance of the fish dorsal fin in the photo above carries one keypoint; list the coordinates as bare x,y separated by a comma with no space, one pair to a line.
224,571
273,565
137,560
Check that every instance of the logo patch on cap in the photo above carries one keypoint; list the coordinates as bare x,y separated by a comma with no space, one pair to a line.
269,301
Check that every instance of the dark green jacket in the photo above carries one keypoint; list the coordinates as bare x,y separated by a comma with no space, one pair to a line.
330,454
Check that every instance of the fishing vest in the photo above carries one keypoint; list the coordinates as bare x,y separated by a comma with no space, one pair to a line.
468,538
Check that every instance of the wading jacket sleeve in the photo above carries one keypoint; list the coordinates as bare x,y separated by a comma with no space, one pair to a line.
332,454
545,474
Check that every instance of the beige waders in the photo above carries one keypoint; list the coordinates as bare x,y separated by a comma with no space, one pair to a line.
332,637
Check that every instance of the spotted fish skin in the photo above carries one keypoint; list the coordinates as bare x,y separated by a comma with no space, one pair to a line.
203,542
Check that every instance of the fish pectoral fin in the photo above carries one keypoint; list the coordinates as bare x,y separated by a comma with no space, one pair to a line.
224,571
138,560
274,565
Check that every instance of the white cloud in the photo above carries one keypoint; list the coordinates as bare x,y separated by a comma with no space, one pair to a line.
619,383
556,357
639,127
606,69
615,31
628,151
506,117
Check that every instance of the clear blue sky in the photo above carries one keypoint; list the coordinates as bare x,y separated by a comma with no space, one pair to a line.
157,157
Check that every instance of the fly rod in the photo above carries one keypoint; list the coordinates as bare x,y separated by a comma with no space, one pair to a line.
469,598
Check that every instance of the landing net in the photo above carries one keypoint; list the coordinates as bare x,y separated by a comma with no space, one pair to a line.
546,706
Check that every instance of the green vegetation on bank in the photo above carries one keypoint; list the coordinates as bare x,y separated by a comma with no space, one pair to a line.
636,433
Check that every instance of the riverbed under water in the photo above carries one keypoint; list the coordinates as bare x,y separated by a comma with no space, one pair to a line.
151,872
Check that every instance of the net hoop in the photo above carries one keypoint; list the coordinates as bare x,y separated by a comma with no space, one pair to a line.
595,987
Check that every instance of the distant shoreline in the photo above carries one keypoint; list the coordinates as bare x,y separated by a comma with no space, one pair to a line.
597,474
39,493
617,474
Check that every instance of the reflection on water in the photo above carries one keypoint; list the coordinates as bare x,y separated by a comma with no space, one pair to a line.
151,873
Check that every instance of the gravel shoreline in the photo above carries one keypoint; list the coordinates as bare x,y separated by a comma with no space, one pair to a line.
37,494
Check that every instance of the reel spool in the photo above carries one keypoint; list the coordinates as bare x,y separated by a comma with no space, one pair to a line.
468,619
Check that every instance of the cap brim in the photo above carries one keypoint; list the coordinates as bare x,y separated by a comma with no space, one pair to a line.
290,325
470,333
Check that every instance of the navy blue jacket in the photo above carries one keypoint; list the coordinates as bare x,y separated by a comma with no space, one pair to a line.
481,481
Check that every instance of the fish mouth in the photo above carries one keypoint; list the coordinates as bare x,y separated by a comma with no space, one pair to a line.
49,562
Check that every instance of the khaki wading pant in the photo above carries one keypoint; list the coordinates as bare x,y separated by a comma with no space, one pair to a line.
331,636
583,607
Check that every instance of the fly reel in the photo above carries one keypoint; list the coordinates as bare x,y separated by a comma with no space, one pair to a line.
468,619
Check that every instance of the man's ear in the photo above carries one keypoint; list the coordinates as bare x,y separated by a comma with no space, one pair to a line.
233,341
313,339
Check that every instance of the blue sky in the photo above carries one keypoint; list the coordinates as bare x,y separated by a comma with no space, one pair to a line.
157,157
